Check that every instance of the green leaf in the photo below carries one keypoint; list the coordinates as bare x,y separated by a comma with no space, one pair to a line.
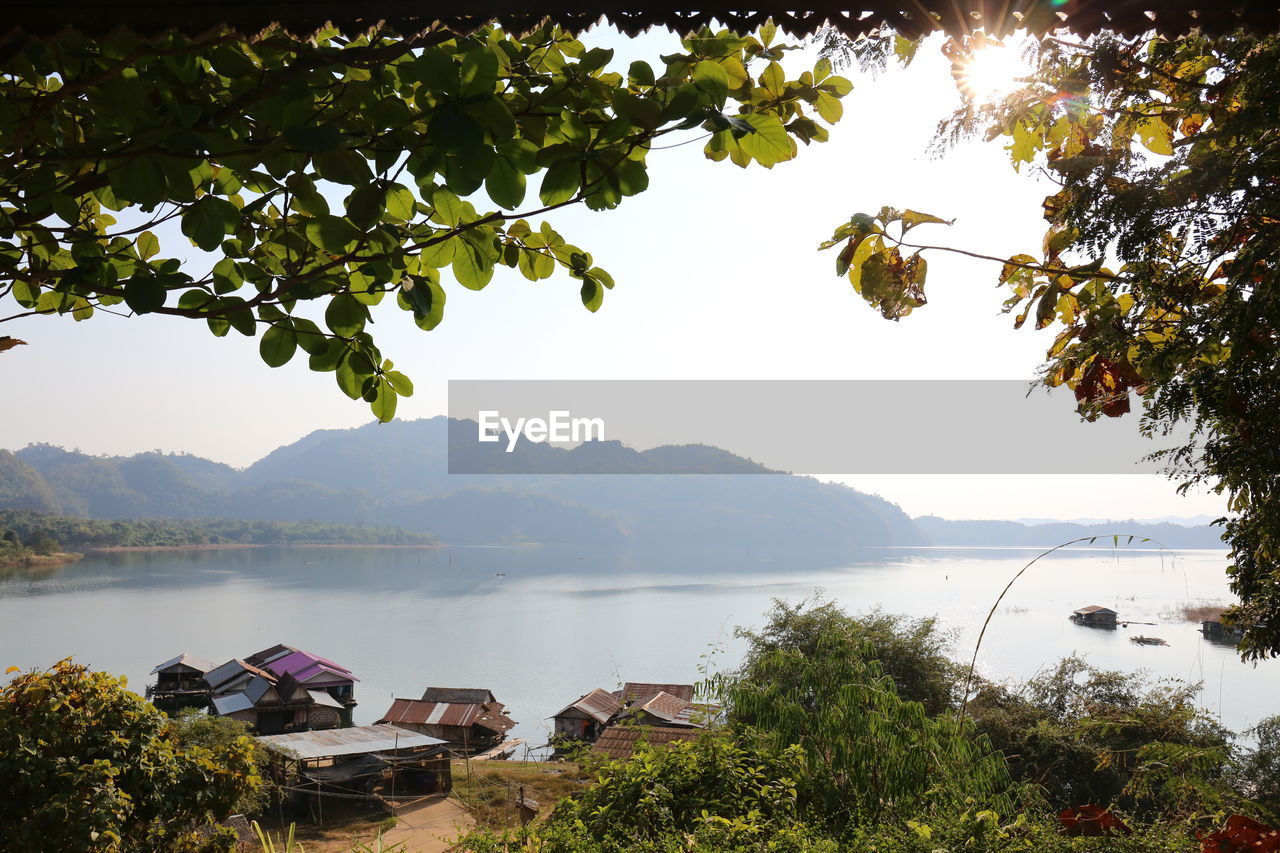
400,203
278,344
449,209
471,266
343,166
399,383
639,74
769,143
144,294
140,180
345,315
773,80
384,404
561,182
712,80
592,294
209,220
479,72
309,336
505,185
333,234
365,205
148,245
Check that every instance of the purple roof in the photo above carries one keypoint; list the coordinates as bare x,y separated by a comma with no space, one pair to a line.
303,666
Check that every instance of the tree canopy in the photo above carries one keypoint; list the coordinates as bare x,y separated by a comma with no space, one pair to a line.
1158,263
90,766
323,176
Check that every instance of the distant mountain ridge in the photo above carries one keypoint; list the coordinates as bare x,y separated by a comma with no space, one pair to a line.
397,474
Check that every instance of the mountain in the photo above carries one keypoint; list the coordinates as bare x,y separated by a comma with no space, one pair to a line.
941,531
598,493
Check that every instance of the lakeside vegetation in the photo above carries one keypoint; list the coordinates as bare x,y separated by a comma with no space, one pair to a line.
33,538
839,733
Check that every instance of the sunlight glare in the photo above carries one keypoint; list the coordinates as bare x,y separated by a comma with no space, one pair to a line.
993,71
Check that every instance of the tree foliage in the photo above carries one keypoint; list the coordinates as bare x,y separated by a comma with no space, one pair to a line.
870,756
1157,267
318,178
90,766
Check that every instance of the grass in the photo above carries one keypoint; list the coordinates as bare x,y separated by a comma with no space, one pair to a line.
491,789
1200,612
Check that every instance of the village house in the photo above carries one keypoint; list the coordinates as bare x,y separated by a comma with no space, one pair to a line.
180,683
377,763
1095,615
280,689
586,717
637,704
469,719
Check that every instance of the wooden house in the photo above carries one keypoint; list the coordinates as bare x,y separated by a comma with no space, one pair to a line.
663,709
378,762
586,717
180,683
1095,615
312,672
474,723
270,704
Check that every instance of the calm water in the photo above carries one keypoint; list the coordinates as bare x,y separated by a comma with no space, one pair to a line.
540,627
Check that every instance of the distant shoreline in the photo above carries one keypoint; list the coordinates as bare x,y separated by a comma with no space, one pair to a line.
228,546
34,561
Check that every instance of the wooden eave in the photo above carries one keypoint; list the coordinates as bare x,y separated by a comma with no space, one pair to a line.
302,18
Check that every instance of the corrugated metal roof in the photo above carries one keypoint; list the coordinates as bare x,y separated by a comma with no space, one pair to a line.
599,704
233,669
670,708
356,740
305,666
619,742
1094,608
638,691
231,703
465,695
418,712
186,659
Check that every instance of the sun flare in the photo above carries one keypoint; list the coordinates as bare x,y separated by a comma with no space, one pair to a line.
991,70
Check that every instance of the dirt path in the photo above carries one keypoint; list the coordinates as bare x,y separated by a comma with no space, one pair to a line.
430,827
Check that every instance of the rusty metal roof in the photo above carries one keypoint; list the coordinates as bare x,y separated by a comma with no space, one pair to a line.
466,695
638,691
670,708
619,742
599,704
853,17
1094,608
356,740
416,711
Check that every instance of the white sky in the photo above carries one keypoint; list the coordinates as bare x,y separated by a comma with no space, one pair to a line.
718,278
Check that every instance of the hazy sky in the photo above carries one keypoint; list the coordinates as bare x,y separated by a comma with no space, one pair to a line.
718,278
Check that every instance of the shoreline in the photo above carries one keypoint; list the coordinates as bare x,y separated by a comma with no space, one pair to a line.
35,561
230,546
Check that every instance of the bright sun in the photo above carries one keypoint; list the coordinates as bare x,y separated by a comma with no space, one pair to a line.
992,71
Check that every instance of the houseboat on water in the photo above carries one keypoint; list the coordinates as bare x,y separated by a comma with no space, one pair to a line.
1095,616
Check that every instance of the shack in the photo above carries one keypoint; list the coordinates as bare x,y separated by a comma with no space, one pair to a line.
620,742
269,703
586,717
1095,615
664,709
469,726
180,683
378,762
638,691
1216,630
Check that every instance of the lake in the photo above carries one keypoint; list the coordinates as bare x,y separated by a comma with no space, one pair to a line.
542,626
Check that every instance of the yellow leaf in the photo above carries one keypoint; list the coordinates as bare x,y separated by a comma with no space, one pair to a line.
1156,136
11,669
